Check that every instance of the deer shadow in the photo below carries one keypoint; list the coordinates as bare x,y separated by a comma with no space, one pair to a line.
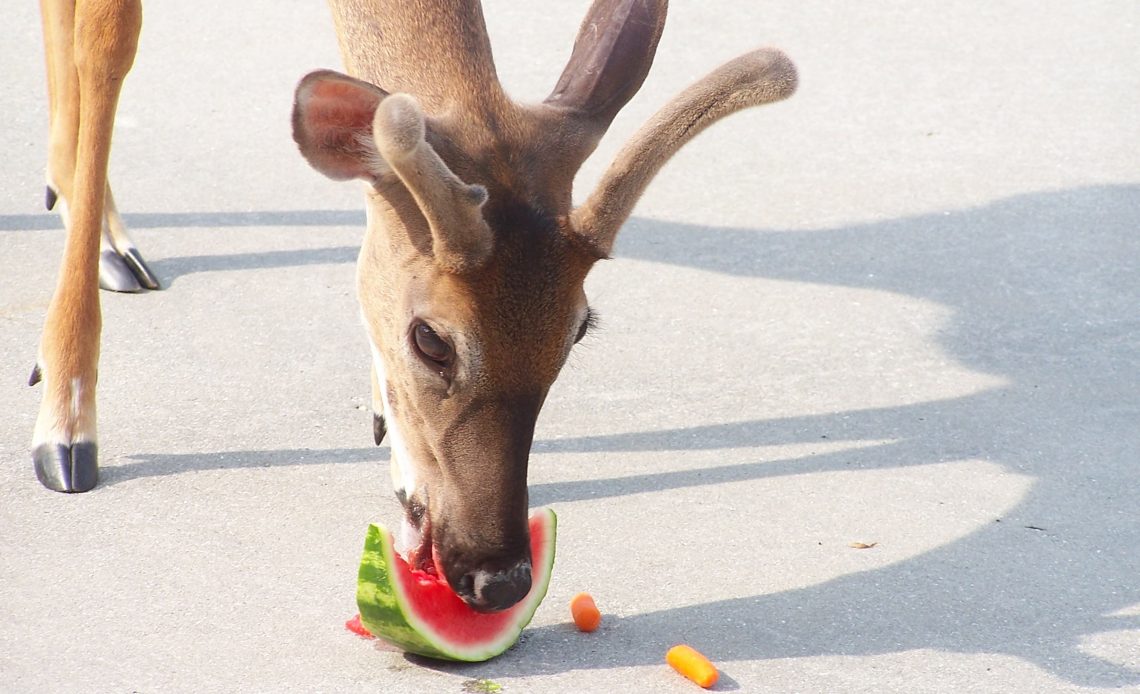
210,220
1045,290
169,270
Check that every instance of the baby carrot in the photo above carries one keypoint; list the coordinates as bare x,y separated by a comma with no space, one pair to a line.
693,665
585,612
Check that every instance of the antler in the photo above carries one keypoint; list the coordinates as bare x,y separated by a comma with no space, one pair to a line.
461,238
347,128
755,78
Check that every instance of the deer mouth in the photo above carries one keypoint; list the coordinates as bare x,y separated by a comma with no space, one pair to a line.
416,539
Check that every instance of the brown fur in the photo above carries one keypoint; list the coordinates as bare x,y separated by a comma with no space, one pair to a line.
508,300
472,231
90,47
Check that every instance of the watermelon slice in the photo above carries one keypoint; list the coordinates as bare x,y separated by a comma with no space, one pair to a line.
419,612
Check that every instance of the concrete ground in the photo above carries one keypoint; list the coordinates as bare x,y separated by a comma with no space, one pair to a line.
902,309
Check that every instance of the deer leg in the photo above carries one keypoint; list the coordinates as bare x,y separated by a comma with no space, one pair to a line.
119,243
84,82
63,99
121,267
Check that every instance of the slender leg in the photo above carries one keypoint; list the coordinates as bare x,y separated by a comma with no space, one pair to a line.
104,37
63,98
121,266
116,240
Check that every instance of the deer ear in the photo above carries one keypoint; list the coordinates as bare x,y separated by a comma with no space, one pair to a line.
612,55
332,125
461,239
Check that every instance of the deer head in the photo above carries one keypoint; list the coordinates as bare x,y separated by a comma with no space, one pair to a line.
470,276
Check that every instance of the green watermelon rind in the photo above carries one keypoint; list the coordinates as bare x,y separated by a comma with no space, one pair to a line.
385,612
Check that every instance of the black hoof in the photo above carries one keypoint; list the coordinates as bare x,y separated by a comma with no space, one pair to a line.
50,198
67,468
138,266
115,275
36,376
378,428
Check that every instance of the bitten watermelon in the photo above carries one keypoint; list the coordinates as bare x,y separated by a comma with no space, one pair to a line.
419,612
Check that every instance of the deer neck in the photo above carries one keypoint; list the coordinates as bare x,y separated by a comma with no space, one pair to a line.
435,50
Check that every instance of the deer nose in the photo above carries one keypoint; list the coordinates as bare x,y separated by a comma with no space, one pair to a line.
493,591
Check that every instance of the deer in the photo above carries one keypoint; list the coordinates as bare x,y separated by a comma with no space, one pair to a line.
471,271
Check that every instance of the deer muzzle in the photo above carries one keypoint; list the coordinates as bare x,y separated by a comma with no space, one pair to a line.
471,511
492,590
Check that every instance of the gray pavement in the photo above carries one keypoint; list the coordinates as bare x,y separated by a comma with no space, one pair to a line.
902,308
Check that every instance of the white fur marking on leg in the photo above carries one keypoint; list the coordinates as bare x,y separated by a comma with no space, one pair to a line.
61,207
76,398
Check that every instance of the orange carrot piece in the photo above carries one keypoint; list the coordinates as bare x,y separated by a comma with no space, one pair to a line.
585,612
693,665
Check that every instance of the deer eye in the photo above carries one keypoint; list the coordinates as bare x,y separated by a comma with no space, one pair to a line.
430,346
587,325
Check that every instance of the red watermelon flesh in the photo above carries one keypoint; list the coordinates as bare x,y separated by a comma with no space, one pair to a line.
357,628
417,611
